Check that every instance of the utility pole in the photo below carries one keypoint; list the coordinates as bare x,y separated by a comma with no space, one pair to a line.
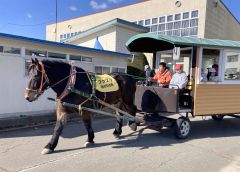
56,17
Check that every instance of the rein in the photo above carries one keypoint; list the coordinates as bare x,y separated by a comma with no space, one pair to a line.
71,81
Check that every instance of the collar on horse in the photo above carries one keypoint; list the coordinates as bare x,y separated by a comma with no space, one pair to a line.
70,84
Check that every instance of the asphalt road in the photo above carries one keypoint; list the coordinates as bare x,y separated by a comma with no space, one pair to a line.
212,146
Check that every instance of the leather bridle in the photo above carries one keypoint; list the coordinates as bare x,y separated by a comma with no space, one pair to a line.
43,82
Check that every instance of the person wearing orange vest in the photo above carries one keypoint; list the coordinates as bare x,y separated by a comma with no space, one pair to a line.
163,76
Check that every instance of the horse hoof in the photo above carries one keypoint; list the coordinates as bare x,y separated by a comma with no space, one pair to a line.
88,144
46,151
133,126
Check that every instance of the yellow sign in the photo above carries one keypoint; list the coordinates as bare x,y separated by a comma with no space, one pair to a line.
106,83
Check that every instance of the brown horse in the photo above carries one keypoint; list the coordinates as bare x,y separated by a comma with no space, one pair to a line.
57,75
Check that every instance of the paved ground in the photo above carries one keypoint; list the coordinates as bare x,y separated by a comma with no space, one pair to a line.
213,146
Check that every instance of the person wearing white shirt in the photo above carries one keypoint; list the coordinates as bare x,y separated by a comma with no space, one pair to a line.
179,79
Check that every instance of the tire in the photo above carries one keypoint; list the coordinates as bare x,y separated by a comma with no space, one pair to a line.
217,117
182,128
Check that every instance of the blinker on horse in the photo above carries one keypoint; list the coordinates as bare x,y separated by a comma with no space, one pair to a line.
58,76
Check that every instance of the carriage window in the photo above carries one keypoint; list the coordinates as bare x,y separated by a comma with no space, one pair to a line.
56,55
30,52
210,66
102,69
10,50
75,58
232,66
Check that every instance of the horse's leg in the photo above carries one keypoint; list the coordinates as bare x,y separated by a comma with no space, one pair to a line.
132,109
118,128
86,117
61,121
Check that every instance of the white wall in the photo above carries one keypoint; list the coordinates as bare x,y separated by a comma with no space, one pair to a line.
13,81
12,87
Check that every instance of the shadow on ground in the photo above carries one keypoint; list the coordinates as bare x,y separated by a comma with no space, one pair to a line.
229,127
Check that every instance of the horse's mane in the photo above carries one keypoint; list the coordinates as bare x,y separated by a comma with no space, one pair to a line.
59,64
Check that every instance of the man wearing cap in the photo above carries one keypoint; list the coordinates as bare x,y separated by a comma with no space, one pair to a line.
148,73
179,79
163,76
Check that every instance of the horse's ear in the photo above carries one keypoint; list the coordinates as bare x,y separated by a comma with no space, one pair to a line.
36,60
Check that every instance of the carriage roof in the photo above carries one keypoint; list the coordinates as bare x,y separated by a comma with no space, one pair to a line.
149,42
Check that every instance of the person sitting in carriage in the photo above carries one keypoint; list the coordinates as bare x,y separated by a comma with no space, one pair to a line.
163,76
148,73
179,81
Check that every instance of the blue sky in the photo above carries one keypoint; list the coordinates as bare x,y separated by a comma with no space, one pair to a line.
29,17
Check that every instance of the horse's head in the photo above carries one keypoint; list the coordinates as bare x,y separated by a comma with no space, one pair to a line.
38,81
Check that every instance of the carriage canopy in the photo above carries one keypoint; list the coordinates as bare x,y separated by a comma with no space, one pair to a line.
149,43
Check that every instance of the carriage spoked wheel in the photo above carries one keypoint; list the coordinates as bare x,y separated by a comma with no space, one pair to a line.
182,127
217,117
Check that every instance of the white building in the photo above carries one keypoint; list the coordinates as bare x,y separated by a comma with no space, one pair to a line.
16,52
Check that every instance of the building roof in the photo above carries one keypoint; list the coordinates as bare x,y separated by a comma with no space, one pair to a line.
61,45
148,42
114,22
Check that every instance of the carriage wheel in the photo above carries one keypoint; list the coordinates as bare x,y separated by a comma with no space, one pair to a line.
217,117
182,127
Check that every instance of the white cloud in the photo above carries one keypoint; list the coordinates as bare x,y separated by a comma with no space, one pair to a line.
72,8
29,15
114,1
95,5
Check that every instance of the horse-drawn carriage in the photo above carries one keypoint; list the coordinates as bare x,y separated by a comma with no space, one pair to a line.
152,105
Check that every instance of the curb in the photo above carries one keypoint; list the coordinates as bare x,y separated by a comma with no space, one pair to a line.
29,121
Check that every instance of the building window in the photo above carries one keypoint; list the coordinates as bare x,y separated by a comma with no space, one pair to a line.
147,22
194,14
186,15
170,18
39,53
75,58
102,69
72,34
193,22
61,36
161,27
232,58
154,28
177,16
162,19
176,33
232,66
185,24
177,25
10,50
119,70
161,33
68,35
86,59
56,55
185,32
169,26
193,31
169,32
154,20
140,22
